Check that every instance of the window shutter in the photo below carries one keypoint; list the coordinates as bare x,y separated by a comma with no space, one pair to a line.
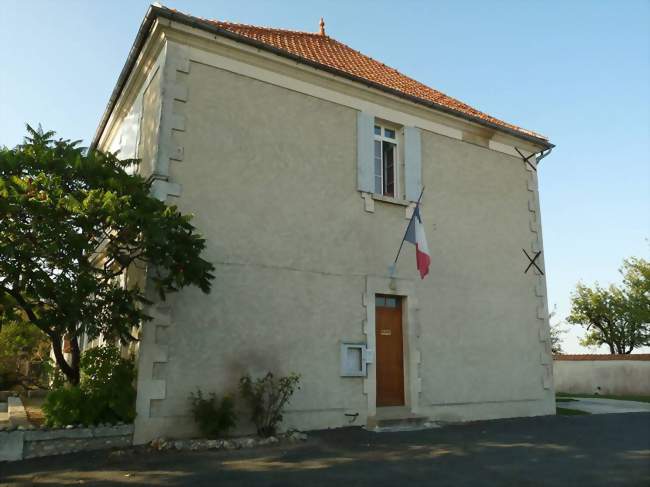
131,131
412,163
365,151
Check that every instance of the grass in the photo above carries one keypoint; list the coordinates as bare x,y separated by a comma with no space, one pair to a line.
569,412
561,395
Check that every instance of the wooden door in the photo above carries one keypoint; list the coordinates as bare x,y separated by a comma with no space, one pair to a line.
390,351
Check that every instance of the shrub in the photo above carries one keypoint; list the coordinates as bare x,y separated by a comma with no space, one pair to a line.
214,417
64,406
267,397
106,393
107,378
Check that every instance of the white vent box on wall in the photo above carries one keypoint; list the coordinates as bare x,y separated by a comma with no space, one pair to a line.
355,358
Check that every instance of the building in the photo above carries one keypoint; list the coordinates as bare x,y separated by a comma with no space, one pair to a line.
301,160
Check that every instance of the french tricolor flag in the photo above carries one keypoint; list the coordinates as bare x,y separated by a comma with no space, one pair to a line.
415,234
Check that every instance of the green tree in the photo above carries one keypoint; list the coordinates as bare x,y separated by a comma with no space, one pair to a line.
556,331
616,316
73,223
24,356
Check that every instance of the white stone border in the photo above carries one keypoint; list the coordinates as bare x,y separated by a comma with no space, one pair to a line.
153,351
536,245
32,443
404,288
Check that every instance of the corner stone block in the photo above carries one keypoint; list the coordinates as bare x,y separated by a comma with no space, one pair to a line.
160,353
544,358
177,153
547,378
152,389
162,334
531,183
543,334
148,389
541,312
179,92
177,122
160,314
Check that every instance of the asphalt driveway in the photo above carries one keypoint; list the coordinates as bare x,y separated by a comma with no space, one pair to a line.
608,450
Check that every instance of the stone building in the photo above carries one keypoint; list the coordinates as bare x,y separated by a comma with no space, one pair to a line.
301,160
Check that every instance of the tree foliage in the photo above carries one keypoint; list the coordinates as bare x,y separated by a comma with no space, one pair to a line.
24,356
74,221
617,316
556,331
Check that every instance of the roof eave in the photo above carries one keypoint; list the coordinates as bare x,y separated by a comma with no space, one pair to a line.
156,11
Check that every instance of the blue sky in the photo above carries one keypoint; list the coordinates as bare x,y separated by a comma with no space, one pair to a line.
576,71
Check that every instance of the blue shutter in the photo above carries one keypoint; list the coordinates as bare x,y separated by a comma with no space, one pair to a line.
365,152
412,163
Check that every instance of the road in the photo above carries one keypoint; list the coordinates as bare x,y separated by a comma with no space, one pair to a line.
607,450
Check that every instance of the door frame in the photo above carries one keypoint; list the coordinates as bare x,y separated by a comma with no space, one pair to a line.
402,344
405,289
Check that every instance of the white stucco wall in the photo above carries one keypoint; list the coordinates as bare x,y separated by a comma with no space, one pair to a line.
618,377
270,175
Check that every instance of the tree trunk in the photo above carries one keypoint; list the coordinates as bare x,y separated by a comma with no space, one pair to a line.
75,357
71,371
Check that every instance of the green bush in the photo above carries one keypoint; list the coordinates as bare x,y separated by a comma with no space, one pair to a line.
214,417
267,398
64,406
108,379
106,393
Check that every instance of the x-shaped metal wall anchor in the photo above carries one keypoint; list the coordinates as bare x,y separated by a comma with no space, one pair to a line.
527,159
532,261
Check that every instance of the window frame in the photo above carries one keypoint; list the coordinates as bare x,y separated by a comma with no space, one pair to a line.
381,138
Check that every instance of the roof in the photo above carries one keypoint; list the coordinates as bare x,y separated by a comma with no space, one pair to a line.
325,53
598,357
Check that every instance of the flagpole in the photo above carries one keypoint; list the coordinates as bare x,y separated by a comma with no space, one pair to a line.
392,267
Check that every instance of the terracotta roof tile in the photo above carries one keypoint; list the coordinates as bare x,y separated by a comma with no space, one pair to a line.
329,52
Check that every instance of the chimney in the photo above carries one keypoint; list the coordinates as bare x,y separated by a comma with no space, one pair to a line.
322,26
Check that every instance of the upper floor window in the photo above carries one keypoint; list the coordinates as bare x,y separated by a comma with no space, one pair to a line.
389,160
386,161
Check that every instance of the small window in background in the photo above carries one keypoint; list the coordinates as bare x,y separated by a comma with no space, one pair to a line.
380,301
386,163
